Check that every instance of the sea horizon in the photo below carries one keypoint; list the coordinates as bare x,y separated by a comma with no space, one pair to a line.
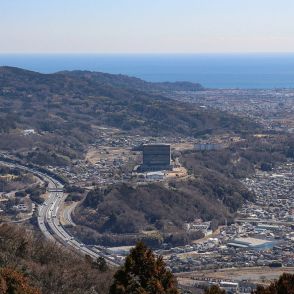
212,70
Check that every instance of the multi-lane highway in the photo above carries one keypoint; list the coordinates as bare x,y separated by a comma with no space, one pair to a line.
49,218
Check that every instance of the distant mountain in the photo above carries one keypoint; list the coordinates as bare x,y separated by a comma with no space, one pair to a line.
123,81
68,105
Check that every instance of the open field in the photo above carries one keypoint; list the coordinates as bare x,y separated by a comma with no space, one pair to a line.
95,155
182,146
261,275
178,172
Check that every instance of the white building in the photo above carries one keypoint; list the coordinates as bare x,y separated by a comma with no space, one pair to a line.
29,132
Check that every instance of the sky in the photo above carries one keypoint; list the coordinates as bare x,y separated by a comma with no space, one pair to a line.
146,26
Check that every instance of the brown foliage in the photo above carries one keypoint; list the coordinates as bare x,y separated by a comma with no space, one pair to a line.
48,266
13,282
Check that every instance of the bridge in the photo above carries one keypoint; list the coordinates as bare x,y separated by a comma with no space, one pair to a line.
55,189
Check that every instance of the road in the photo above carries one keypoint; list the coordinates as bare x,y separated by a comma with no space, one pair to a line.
49,222
67,211
264,221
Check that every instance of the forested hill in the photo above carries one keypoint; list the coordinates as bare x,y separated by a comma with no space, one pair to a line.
44,265
123,81
68,100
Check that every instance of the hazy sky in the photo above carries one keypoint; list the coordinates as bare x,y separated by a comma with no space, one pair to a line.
146,26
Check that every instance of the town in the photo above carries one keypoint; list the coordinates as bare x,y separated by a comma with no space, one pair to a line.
261,237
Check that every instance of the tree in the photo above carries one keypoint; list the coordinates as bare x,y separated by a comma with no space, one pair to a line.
101,264
266,166
285,285
214,290
13,282
143,273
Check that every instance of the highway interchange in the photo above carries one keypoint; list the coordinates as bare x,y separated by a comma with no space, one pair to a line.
49,218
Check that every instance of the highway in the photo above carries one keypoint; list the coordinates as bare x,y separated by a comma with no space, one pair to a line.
49,222
67,211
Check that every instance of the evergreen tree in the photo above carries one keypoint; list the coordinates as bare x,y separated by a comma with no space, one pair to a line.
143,273
101,264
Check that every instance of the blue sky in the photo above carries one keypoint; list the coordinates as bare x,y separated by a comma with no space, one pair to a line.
146,26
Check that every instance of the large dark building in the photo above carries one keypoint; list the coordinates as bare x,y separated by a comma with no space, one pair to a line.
156,157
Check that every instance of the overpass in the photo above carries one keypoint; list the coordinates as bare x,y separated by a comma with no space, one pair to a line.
49,222
53,189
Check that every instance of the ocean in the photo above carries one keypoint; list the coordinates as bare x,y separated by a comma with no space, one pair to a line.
252,71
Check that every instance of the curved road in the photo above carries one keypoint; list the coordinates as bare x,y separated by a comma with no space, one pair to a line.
48,218
67,211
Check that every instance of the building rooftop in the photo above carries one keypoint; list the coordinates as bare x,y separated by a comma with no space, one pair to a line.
250,242
156,144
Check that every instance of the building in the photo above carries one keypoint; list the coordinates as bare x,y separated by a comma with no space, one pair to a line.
21,207
156,157
252,243
208,146
268,227
29,132
155,176
229,287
